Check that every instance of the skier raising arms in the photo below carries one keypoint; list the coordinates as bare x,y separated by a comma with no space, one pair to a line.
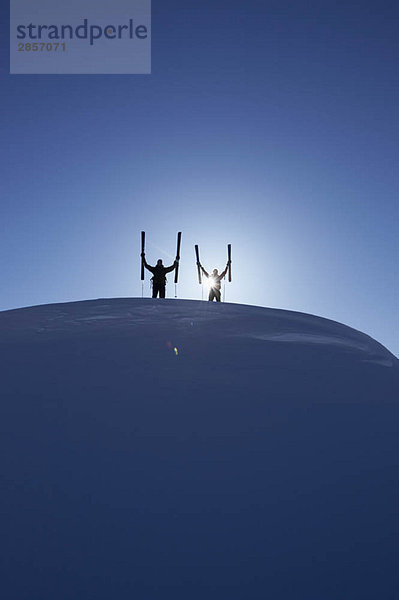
159,276
215,281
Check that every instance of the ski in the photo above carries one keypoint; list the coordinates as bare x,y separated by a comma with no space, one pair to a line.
142,252
229,259
198,264
178,256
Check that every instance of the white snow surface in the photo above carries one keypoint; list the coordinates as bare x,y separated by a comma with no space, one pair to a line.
186,449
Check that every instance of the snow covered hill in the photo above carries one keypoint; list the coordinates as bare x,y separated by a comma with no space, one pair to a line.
186,450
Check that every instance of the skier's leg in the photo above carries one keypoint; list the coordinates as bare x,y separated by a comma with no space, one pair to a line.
211,295
154,289
162,291
217,295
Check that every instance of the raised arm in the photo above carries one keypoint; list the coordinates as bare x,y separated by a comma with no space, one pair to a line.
203,270
224,272
171,268
147,266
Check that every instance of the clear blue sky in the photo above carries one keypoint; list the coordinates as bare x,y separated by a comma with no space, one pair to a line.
270,125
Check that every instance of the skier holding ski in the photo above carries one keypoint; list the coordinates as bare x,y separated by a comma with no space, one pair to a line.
215,281
159,275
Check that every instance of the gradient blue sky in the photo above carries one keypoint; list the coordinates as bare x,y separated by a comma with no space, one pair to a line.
270,125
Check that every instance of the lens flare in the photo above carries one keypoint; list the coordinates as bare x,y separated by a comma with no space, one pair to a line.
176,351
209,282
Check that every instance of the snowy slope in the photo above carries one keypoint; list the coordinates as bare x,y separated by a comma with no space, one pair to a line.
188,450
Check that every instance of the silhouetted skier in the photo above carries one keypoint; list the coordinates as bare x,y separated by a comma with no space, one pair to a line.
215,282
159,276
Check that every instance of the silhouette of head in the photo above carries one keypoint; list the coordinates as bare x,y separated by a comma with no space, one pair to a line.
215,272
159,262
